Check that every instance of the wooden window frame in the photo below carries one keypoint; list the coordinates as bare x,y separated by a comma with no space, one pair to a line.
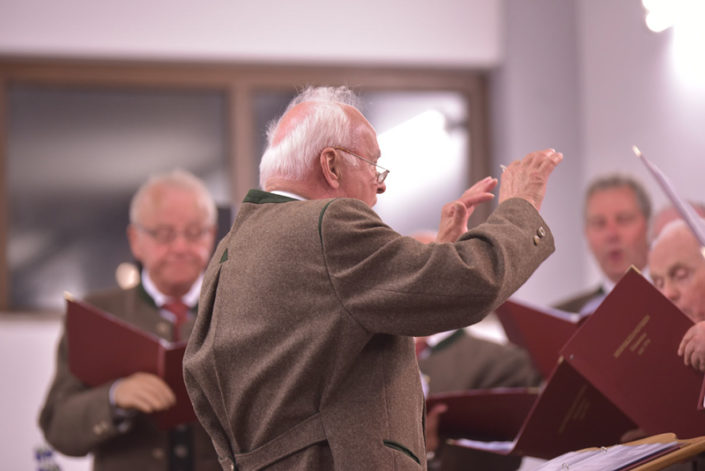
238,81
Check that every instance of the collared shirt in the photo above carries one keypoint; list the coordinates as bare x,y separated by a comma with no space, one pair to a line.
606,287
190,298
288,194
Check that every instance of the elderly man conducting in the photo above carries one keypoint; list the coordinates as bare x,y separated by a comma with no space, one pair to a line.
302,357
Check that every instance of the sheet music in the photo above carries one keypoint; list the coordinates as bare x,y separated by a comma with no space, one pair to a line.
606,459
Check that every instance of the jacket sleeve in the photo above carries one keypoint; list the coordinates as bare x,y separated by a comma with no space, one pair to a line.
396,285
75,419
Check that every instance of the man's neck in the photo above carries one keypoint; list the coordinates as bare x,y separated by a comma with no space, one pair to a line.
304,189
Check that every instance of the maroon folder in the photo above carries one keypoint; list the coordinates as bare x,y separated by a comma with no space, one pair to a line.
628,350
103,348
619,371
542,332
484,414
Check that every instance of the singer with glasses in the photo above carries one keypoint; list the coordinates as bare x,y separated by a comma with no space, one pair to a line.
171,233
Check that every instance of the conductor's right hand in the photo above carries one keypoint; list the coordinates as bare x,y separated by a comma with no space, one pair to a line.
145,392
527,178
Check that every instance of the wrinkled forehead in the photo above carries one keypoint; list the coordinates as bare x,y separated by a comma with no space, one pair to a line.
363,133
612,200
676,244
171,201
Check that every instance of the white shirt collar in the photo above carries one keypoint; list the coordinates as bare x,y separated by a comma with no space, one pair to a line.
435,339
608,285
190,298
288,194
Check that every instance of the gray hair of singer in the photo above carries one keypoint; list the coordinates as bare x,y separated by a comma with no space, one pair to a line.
609,182
676,225
325,125
177,178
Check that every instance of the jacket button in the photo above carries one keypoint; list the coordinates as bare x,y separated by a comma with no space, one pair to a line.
164,329
541,232
537,239
181,451
100,428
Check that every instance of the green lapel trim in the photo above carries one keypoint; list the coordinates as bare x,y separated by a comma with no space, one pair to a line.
448,341
224,258
261,197
145,296
320,220
401,448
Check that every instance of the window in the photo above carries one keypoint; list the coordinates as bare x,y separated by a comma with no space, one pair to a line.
80,137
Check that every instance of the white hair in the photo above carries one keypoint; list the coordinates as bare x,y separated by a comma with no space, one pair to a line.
326,124
177,178
677,225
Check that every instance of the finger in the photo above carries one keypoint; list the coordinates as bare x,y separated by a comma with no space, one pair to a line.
548,163
147,391
438,409
482,184
486,184
475,199
690,333
698,363
687,354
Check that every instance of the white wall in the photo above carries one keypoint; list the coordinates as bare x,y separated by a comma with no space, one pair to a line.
27,350
535,105
447,32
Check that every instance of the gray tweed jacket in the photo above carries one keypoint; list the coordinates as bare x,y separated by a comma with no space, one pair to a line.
302,358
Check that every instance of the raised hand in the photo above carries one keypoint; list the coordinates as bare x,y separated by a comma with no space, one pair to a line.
455,215
527,178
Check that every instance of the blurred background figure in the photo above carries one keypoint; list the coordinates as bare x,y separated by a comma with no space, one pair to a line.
171,233
616,222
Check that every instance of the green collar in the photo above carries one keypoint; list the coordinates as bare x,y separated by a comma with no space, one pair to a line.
261,197
448,341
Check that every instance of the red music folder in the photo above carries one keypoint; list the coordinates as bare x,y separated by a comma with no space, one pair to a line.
103,348
568,414
540,331
628,350
619,371
484,414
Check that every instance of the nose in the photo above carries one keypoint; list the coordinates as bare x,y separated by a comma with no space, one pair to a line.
381,188
670,291
180,242
611,230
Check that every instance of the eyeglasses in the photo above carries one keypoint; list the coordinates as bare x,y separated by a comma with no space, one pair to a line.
167,235
381,176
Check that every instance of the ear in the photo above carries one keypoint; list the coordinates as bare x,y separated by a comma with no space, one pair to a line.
134,240
331,167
